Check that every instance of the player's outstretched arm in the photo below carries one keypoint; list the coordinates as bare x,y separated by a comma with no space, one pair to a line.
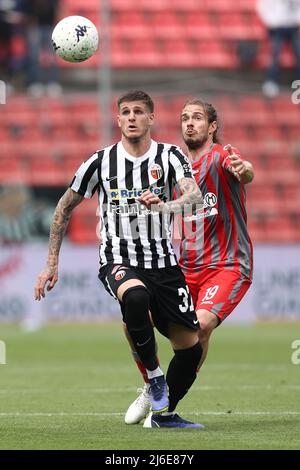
58,229
191,195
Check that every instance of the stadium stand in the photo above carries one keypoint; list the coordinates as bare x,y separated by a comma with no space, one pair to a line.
148,34
44,141
138,29
39,147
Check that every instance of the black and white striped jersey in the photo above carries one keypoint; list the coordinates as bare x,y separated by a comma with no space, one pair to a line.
131,234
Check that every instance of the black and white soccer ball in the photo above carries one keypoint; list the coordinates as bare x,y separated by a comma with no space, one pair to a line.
75,38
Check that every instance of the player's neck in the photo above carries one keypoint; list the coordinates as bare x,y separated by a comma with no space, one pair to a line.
196,154
137,149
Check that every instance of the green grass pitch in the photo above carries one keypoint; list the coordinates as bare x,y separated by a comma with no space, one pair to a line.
68,386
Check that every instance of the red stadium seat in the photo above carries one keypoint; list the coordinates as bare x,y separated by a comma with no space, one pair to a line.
146,53
187,5
279,229
119,5
46,171
130,24
285,112
168,25
271,132
229,5
215,54
12,171
240,26
177,5
84,224
198,25
179,54
78,7
263,197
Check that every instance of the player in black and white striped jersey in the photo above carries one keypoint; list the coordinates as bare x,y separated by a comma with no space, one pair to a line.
131,234
137,262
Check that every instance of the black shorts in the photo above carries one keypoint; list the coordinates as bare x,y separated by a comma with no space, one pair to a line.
170,300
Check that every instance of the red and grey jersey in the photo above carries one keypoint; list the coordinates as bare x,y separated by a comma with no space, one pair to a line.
131,234
216,235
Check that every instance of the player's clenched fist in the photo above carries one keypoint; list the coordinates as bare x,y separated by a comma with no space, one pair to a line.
238,165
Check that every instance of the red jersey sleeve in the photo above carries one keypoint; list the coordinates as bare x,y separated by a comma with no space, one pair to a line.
225,160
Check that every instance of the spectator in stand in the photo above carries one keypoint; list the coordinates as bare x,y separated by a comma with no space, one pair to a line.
282,19
42,66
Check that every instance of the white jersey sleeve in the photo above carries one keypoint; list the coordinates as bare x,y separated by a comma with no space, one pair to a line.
180,164
86,179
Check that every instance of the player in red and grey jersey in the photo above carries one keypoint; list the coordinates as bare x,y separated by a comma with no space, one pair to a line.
217,234
216,250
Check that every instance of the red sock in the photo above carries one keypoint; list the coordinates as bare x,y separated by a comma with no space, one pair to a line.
143,371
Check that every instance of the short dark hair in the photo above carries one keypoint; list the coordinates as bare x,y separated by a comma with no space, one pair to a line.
211,114
137,95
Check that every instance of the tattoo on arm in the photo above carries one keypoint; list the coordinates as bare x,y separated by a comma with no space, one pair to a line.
60,222
191,195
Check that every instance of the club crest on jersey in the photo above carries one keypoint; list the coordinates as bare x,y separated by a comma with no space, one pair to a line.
208,209
119,275
115,268
156,171
210,200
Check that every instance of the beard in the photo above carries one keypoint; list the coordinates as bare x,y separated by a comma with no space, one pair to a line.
195,144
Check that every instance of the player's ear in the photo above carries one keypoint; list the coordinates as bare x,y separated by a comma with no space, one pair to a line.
213,127
151,119
118,121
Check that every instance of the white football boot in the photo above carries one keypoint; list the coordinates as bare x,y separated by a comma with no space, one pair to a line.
140,408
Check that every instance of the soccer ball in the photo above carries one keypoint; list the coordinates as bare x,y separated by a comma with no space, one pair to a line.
75,38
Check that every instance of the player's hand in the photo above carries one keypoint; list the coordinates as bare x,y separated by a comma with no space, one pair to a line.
237,164
48,275
149,199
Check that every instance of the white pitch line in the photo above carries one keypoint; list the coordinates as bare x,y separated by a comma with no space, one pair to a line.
194,413
246,413
226,365
134,389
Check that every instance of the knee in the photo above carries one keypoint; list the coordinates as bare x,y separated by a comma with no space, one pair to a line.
205,330
136,297
136,305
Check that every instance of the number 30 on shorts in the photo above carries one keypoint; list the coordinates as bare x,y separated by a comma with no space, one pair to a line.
187,303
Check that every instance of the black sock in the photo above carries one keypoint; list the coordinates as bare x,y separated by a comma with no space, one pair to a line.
182,373
136,302
144,344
